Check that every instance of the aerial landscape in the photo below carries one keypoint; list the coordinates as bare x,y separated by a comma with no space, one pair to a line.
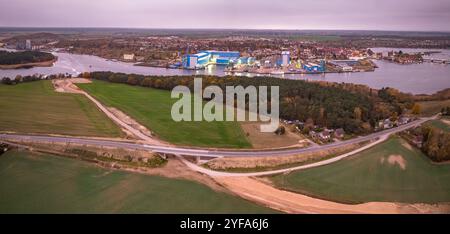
258,109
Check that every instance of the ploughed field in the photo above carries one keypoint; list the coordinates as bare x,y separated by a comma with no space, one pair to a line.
37,183
152,108
35,107
392,171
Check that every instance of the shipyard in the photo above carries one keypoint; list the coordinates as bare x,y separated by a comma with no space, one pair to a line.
225,107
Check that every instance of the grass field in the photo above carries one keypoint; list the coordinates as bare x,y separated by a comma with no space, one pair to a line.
375,175
439,124
32,183
36,108
152,107
433,107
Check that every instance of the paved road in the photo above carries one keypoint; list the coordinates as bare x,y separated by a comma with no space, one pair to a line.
156,146
206,152
214,173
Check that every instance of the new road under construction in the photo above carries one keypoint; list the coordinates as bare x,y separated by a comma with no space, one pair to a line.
250,185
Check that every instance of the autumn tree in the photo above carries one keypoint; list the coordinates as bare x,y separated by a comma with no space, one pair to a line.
416,109
86,75
132,80
357,112
18,79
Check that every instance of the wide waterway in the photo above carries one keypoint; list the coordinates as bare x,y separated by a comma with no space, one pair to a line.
425,78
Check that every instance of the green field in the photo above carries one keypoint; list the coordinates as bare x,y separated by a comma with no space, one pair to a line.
369,176
31,183
152,107
35,107
439,124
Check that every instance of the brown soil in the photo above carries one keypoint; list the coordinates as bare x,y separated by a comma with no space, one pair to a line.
265,194
128,120
67,85
407,145
177,169
80,81
446,121
265,140
397,160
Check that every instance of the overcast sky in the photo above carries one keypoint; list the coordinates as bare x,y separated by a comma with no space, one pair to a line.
415,15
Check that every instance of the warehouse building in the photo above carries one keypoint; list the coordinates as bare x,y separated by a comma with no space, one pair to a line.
314,68
205,58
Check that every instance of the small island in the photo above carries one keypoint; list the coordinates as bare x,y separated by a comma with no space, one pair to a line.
25,59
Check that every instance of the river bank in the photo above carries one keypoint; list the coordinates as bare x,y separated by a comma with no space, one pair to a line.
425,78
48,63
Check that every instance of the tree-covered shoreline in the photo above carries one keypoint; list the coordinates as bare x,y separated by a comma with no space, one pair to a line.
24,57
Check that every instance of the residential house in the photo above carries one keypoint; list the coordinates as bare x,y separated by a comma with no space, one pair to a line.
403,120
313,134
325,135
128,56
387,123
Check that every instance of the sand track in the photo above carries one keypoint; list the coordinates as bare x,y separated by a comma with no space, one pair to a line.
262,193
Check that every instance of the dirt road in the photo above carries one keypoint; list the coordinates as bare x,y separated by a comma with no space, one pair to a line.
67,86
260,192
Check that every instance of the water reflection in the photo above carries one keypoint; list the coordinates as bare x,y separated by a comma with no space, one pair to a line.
416,78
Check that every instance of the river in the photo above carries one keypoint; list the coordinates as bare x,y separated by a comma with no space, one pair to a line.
426,78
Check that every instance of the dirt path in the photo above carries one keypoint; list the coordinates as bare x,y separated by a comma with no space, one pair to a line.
177,169
260,192
244,185
446,121
67,86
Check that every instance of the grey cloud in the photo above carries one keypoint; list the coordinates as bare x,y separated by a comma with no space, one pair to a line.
291,14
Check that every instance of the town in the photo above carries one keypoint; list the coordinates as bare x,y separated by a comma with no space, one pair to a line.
238,54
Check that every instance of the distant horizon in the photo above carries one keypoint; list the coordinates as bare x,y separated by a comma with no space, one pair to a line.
188,28
378,15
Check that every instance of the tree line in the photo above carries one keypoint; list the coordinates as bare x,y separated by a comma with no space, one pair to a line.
436,144
23,79
11,58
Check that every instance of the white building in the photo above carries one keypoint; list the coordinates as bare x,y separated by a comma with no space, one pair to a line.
285,58
128,56
28,45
